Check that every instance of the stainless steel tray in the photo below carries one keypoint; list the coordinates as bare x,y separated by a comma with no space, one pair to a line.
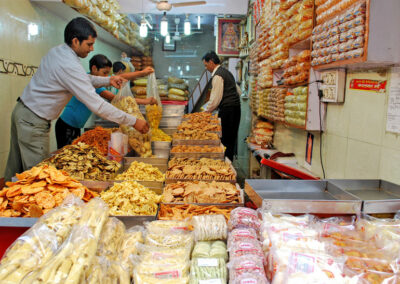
378,196
169,131
173,110
99,186
199,155
152,161
301,196
160,145
161,153
170,121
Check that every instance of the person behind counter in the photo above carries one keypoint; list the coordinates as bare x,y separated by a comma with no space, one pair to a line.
224,97
76,114
59,77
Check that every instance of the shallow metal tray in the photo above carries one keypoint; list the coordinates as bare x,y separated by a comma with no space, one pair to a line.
160,217
301,196
170,121
378,196
169,131
173,110
199,155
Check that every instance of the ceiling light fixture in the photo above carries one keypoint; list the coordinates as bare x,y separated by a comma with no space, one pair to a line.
198,22
187,27
164,25
143,28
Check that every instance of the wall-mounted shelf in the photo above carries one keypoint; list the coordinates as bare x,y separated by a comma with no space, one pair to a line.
381,39
65,12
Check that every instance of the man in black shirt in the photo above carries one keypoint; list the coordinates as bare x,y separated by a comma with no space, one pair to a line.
225,97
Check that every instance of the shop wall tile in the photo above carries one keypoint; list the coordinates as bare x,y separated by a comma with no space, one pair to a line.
390,165
335,151
337,119
367,110
363,160
3,162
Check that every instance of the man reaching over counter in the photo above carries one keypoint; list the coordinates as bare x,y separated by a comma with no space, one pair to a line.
59,77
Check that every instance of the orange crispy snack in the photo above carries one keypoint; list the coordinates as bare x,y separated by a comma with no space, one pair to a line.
38,190
97,137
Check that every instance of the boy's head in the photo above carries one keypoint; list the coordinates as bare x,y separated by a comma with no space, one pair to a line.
100,65
118,68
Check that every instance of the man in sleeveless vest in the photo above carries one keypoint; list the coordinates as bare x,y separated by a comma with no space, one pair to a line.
224,97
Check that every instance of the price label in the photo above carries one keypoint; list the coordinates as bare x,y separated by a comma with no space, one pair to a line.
207,262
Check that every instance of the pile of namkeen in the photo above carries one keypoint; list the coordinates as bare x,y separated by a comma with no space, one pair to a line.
202,125
38,190
203,169
142,172
201,192
130,198
139,142
195,135
200,117
97,137
84,162
197,149
181,212
154,115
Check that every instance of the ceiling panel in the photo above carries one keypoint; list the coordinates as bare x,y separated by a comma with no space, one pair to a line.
237,7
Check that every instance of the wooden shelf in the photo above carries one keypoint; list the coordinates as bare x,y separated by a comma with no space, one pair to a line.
304,44
67,13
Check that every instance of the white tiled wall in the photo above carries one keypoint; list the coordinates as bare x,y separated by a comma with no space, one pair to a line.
355,144
15,15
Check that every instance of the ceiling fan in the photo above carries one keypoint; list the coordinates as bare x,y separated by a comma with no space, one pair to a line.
164,5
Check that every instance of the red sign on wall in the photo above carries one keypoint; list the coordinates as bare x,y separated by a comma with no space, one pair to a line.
368,85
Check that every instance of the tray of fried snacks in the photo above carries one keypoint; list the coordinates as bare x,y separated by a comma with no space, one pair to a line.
210,249
198,151
38,190
97,137
195,137
188,169
208,270
140,171
201,116
202,192
181,212
150,160
162,265
83,162
201,125
129,198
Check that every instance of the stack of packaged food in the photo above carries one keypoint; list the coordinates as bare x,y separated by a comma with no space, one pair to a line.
177,89
341,37
297,68
262,134
140,88
246,257
296,106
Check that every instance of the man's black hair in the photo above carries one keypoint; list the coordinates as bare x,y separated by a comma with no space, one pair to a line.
80,28
100,61
117,66
211,55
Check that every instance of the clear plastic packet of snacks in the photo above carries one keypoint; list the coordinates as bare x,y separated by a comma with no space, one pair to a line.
358,42
244,218
246,264
209,227
241,234
359,31
250,278
240,248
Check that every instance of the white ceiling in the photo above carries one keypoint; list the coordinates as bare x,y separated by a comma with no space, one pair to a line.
215,7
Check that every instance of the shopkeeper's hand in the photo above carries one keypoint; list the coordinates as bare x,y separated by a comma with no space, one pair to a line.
117,81
147,71
141,126
152,101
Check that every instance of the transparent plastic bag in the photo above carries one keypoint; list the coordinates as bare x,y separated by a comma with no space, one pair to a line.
111,239
152,89
245,248
241,234
210,249
246,264
244,218
208,269
209,227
